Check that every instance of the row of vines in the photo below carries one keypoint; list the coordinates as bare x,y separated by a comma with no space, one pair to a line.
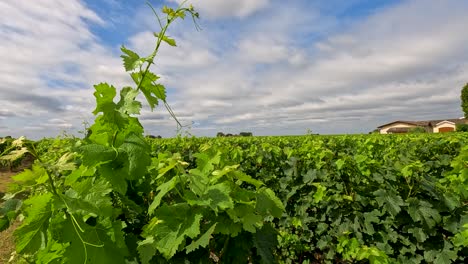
117,197
106,199
347,199
387,199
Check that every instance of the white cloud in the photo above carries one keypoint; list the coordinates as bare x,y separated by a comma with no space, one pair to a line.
275,72
187,54
395,64
227,8
50,60
263,49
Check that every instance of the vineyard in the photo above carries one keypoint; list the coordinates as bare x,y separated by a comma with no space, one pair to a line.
388,199
385,199
116,196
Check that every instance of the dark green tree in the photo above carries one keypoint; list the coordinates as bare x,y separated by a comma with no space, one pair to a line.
245,134
464,100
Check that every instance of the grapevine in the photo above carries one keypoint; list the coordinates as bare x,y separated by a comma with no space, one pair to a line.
106,199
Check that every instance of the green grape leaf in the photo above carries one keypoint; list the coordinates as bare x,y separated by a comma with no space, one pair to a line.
152,91
9,212
169,41
246,215
205,162
90,196
202,241
163,189
390,200
268,203
171,226
131,60
218,174
217,196
246,178
198,182
104,94
30,234
15,155
339,164
265,240
319,193
423,211
167,10
10,205
53,253
65,163
227,226
94,244
81,171
446,256
147,249
166,39
137,150
369,218
116,174
418,233
128,104
36,174
93,154
240,248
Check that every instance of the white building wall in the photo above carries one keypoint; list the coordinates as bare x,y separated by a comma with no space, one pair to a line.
385,129
444,124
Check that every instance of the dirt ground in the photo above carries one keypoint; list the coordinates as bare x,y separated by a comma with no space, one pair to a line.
7,245
5,179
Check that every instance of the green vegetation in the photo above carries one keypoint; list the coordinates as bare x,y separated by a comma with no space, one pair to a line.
462,127
417,130
241,134
385,198
464,100
105,199
117,196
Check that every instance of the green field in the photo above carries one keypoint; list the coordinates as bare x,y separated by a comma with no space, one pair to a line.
377,198
399,196
116,196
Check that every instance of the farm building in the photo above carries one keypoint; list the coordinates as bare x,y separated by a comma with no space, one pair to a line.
431,126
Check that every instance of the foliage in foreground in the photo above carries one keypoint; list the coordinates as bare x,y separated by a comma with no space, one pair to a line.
384,198
105,199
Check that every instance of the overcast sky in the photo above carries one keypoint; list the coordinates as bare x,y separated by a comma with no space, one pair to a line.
271,67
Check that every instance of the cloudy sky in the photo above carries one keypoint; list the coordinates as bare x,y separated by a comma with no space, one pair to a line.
271,67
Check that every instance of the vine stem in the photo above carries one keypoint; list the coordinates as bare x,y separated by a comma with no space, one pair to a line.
151,60
225,247
76,225
164,28
51,181
409,186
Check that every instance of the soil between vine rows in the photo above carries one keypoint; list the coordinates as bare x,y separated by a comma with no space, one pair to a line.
7,244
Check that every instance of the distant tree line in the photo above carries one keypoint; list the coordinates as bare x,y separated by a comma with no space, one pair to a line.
241,134
462,127
152,136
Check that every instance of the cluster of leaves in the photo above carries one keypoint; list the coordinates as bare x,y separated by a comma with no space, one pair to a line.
387,199
462,127
464,100
12,151
107,199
